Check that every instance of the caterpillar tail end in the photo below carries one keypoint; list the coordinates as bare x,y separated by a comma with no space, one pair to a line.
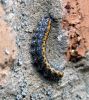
60,74
54,19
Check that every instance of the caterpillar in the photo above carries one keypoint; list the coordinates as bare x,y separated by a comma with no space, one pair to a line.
38,49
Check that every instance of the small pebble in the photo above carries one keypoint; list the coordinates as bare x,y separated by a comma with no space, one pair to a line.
4,1
18,97
20,62
7,51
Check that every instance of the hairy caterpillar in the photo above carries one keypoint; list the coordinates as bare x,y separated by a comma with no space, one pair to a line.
38,49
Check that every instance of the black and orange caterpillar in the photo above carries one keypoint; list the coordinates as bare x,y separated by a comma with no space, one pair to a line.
38,49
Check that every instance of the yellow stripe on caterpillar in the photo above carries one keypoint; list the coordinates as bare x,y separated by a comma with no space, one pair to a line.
48,67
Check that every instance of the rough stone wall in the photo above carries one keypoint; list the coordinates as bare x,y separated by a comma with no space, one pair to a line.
24,82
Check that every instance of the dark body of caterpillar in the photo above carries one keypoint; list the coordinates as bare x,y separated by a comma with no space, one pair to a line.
38,50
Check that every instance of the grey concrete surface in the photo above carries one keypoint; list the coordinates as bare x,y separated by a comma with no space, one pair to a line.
24,82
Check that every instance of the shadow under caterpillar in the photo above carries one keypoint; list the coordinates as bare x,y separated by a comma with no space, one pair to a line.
38,50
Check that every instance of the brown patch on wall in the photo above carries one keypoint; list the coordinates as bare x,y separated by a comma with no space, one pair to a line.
76,22
8,49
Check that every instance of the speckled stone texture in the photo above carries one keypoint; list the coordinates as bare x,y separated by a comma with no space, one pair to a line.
24,82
